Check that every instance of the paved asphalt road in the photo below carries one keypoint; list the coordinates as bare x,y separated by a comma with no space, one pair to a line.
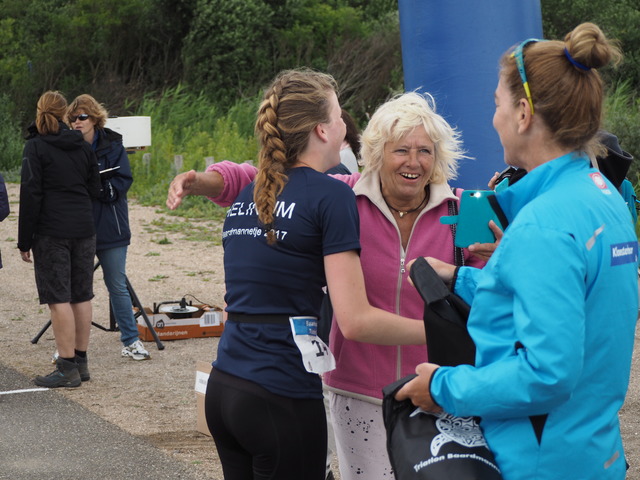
44,436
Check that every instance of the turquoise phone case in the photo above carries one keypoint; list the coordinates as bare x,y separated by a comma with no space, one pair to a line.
473,218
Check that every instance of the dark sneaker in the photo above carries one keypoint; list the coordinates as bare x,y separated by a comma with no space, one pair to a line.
83,368
66,374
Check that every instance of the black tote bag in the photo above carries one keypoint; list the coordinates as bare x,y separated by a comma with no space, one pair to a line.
425,446
445,318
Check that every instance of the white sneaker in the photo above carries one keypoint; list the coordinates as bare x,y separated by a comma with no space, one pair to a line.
136,351
54,357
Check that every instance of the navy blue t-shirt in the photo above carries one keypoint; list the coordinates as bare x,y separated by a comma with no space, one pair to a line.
315,216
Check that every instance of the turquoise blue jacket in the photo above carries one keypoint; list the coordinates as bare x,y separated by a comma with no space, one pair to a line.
553,317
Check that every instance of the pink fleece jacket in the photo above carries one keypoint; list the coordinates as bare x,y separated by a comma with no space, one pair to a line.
363,369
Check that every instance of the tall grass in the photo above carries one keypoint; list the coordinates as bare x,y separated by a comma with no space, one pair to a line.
190,126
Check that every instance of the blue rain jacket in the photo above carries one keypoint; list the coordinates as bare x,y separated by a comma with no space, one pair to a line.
111,209
553,317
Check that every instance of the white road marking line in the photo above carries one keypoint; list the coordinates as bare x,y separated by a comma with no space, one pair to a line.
26,390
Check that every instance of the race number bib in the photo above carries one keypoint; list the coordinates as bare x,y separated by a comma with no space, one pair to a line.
316,356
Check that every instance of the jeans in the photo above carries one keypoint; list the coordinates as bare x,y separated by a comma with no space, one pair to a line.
113,262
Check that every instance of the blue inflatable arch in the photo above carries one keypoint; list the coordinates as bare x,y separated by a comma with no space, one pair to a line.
451,49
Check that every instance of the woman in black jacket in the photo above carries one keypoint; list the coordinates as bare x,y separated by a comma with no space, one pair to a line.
111,215
59,177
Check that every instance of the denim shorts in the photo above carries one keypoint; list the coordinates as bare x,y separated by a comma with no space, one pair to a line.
64,268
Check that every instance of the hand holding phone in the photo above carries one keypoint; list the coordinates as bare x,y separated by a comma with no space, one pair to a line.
473,218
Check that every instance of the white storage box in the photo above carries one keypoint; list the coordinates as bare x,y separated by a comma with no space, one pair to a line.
135,131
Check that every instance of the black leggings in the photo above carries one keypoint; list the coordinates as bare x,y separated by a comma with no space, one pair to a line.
260,435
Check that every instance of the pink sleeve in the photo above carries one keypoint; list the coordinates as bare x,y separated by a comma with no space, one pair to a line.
236,176
348,179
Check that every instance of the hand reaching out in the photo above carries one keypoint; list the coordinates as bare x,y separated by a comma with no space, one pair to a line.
179,188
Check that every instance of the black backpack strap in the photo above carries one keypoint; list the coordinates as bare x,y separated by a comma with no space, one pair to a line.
458,254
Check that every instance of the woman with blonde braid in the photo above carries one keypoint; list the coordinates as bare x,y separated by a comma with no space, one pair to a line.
288,234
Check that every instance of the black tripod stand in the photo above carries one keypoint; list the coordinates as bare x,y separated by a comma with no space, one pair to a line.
112,321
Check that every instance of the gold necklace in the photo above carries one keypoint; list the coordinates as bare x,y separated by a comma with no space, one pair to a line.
403,213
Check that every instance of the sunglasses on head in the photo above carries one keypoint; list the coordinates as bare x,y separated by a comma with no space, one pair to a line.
82,117
519,57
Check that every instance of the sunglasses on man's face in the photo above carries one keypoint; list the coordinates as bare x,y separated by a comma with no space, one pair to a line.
82,117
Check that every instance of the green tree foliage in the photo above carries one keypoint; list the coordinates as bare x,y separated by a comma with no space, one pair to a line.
10,141
369,68
374,9
316,30
198,66
361,51
226,50
126,51
14,62
234,47
114,50
619,20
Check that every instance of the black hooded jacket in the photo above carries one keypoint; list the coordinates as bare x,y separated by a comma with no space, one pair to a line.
59,178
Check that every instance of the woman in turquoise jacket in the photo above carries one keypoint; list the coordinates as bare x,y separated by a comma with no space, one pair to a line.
554,311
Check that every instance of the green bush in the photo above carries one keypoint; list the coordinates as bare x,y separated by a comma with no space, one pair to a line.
226,51
619,20
11,142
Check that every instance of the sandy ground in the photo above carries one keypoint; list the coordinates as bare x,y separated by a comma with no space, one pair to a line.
155,399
